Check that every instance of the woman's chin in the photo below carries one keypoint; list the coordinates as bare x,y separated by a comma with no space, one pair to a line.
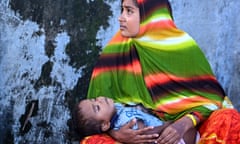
125,34
128,35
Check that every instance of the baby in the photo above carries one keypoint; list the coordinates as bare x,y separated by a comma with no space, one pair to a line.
95,116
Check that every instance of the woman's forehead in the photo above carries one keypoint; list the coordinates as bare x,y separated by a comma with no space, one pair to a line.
132,1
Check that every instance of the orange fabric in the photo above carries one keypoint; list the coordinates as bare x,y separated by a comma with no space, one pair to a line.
222,127
99,139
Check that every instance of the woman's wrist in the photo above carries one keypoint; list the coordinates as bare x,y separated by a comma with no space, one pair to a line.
183,124
193,119
113,134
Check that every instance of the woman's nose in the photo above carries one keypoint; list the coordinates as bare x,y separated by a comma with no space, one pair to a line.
121,18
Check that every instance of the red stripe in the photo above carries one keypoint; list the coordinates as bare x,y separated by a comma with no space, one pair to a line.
134,67
140,1
161,78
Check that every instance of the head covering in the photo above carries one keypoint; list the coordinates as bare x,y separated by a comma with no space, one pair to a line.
162,68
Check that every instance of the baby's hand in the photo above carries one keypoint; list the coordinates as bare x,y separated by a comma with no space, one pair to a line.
127,135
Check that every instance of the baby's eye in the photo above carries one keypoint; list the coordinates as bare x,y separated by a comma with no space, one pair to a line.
96,108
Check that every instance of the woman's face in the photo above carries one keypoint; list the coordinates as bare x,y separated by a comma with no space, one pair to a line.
129,19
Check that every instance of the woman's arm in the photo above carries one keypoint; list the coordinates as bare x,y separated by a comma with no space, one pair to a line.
177,130
127,135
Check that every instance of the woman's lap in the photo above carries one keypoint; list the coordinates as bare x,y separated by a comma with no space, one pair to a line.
222,127
99,139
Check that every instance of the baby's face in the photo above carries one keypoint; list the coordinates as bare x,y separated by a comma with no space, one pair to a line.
100,108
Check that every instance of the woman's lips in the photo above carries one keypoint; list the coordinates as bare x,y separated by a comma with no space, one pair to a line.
122,27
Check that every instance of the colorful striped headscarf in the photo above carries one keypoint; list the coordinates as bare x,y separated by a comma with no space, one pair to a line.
162,68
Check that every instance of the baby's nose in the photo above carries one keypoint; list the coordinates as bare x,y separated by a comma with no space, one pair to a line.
100,99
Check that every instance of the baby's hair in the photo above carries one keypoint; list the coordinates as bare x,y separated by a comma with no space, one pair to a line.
83,125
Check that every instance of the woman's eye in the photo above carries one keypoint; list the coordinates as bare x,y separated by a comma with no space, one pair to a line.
129,11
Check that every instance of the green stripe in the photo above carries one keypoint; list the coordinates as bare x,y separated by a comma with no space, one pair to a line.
160,13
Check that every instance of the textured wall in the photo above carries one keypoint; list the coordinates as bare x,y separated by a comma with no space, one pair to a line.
214,24
35,66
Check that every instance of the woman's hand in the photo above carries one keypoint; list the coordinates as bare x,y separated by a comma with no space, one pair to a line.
127,135
176,131
171,135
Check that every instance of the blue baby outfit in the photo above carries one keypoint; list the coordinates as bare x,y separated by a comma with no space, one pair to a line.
125,114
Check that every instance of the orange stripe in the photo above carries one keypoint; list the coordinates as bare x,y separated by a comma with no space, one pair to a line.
118,39
181,104
134,67
212,138
161,78
163,24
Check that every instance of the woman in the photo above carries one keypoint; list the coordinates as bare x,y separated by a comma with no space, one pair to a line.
150,61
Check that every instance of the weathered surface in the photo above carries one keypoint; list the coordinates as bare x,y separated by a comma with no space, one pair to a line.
48,49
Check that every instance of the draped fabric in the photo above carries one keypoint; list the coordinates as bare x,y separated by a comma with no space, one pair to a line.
99,139
222,127
162,68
